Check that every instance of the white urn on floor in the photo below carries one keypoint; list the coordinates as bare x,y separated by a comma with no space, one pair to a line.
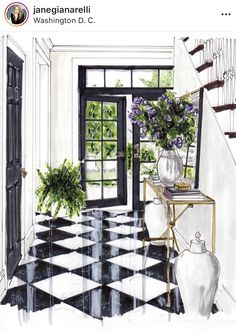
155,219
197,272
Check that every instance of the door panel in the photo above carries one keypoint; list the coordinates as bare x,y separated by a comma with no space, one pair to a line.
145,155
13,167
102,147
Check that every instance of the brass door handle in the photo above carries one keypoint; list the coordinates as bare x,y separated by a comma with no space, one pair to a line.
136,151
120,154
23,172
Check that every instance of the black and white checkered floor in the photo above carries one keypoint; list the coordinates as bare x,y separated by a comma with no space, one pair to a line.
95,264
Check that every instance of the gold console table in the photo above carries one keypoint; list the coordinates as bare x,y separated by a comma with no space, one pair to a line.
172,218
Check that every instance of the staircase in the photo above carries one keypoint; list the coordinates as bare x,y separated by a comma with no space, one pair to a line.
215,63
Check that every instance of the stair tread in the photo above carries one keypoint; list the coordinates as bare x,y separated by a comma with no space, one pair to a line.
197,49
214,84
204,66
232,135
224,107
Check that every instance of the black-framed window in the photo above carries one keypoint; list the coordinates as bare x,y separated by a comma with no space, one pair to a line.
123,79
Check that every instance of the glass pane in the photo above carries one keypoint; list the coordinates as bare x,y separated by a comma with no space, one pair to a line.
109,189
94,78
109,130
93,130
148,152
109,150
94,190
93,150
109,170
141,191
93,170
93,110
145,78
190,173
147,169
118,78
166,78
109,110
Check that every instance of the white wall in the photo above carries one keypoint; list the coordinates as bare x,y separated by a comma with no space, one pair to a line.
217,178
64,86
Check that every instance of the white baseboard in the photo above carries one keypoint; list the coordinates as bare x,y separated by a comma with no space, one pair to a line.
28,240
2,284
182,242
225,301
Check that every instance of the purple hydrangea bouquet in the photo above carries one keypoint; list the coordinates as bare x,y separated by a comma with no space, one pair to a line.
169,121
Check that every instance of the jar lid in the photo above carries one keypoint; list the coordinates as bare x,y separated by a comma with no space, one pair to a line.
197,245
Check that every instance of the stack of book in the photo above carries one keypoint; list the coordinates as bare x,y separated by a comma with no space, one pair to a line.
155,180
172,193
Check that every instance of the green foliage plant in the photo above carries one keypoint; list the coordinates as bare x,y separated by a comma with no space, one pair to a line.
60,188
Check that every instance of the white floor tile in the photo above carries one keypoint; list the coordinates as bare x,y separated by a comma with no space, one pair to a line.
40,228
74,243
134,261
78,219
27,260
37,242
66,285
120,219
118,211
71,260
125,229
15,282
141,286
127,243
76,229
40,218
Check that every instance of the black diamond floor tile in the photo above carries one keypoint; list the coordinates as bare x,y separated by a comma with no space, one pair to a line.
104,272
98,214
46,250
138,235
37,270
101,236
99,224
57,223
53,235
29,298
136,223
46,214
137,214
176,304
159,272
102,251
158,252
104,302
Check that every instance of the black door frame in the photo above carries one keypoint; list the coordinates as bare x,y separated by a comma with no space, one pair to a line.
121,146
146,92
13,160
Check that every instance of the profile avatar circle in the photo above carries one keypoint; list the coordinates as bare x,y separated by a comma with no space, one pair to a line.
16,14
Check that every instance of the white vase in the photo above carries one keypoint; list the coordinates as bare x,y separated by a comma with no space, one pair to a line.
155,219
197,272
169,167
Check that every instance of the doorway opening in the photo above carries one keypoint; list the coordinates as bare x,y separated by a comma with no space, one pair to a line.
115,158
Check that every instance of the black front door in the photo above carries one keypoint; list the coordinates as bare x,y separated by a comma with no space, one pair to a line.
102,148
13,167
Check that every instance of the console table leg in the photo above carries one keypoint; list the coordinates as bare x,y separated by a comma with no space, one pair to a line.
168,254
214,228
